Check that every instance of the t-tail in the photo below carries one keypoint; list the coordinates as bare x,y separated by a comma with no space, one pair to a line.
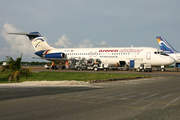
165,46
37,40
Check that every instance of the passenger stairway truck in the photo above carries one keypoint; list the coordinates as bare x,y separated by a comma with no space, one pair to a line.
137,65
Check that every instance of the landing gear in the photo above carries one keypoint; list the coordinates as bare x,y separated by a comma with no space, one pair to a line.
162,68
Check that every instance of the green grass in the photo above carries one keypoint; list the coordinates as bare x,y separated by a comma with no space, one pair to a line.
58,76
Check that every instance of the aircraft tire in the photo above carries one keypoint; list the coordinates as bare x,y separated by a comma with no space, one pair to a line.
162,70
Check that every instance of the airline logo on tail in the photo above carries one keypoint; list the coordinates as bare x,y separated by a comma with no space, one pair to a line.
165,46
38,41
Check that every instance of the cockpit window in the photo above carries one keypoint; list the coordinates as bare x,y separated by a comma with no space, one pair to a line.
160,53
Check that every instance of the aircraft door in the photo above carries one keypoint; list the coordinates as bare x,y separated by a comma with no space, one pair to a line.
131,63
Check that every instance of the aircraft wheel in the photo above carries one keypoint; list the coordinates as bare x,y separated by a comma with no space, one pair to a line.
162,70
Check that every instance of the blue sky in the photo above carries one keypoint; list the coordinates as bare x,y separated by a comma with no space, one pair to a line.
88,23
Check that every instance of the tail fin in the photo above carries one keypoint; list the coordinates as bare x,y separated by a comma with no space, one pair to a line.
165,46
37,40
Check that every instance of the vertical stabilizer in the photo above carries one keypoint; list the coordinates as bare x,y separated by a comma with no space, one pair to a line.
165,46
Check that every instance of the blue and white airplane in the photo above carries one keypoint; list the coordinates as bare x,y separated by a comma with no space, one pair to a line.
168,49
147,55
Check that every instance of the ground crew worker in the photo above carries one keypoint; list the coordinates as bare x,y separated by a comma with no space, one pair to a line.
67,64
52,63
117,64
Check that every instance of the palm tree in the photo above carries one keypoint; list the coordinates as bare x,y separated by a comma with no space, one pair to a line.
15,67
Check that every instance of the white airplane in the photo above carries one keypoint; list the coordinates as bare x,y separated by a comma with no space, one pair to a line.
148,55
168,49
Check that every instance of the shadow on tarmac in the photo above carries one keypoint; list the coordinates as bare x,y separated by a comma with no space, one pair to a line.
24,92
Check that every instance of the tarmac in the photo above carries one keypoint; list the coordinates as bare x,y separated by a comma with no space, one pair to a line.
139,99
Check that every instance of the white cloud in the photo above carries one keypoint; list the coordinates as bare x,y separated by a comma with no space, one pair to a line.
18,43
86,44
103,44
64,41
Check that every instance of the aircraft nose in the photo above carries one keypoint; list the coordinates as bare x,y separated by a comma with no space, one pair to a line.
171,60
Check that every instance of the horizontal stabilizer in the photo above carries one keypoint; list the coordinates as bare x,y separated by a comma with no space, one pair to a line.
24,33
30,35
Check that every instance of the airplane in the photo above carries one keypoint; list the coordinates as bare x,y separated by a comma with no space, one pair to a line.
168,49
147,55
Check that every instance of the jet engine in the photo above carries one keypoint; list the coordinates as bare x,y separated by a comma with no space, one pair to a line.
54,55
45,54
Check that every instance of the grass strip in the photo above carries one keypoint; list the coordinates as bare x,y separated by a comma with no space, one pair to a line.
58,76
